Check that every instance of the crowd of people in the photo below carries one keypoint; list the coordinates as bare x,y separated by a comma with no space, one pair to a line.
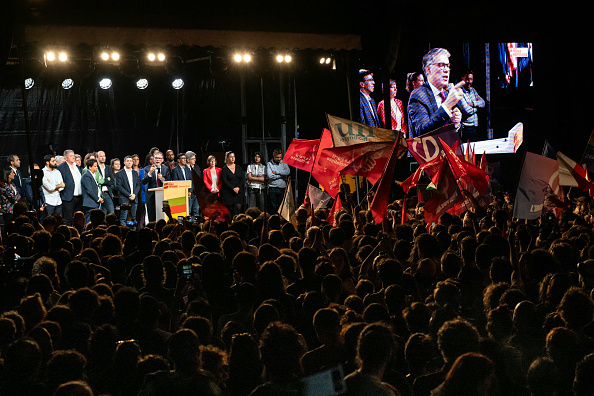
476,305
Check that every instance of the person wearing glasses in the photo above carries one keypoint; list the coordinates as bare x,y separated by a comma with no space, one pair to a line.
433,104
154,176
367,105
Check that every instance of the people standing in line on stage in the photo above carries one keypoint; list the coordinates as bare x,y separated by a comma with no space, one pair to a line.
154,177
256,183
108,183
432,105
276,173
128,185
191,164
136,163
60,159
398,115
9,194
170,159
183,172
72,193
116,165
91,189
14,162
212,176
52,185
469,104
78,160
232,185
368,114
414,80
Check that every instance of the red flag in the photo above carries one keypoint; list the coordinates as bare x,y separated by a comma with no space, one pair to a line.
444,198
483,165
327,171
367,159
404,215
301,153
379,205
426,147
432,167
465,172
335,208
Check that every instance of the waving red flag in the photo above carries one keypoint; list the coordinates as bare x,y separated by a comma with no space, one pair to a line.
326,170
301,153
379,205
466,172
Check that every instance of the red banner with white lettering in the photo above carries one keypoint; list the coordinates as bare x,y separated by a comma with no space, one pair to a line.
426,147
301,153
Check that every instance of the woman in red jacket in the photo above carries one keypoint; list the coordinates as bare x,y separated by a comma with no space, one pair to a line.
212,175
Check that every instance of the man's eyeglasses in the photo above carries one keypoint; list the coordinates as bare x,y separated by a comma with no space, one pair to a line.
443,66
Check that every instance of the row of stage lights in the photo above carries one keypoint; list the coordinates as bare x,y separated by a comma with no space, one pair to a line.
105,56
247,58
106,83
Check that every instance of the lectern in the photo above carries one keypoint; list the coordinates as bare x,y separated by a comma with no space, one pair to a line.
159,198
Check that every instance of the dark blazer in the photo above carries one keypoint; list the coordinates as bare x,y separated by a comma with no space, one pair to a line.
423,114
108,179
178,174
151,180
68,192
90,191
124,186
19,183
229,181
368,113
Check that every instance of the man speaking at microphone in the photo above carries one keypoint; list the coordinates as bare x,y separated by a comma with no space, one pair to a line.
433,104
154,177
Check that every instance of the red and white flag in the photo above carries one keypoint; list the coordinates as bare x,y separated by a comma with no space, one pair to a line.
572,174
301,153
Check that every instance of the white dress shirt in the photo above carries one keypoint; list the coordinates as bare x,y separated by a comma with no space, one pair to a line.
51,178
76,175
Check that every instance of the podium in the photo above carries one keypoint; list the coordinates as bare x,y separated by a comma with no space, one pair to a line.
176,194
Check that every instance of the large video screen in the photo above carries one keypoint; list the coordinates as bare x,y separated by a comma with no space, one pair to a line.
515,65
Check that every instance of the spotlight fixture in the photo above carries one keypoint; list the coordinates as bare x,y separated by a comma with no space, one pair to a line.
50,56
178,83
288,58
280,58
29,82
142,83
247,58
161,57
62,57
237,58
67,83
322,61
105,56
325,61
151,57
115,56
105,83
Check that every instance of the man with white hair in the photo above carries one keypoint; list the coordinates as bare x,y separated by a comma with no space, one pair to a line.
72,193
432,105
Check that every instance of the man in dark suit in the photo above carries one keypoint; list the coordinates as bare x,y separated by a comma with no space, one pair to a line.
432,105
15,163
108,183
367,105
91,192
72,193
128,184
191,164
154,177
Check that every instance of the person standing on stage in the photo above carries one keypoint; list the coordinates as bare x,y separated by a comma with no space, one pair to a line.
232,185
91,190
212,176
183,172
154,177
15,164
108,183
469,104
277,173
397,111
432,105
170,159
128,184
367,105
72,193
191,164
52,185
256,183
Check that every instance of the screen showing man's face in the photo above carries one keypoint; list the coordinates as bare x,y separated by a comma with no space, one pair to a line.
368,85
438,71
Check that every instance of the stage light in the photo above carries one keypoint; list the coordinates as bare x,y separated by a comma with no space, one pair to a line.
142,83
322,61
280,58
67,83
115,56
105,56
29,82
105,83
328,60
152,57
50,56
237,58
288,58
178,83
62,57
161,57
247,58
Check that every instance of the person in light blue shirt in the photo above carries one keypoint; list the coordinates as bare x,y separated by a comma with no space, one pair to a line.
277,173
